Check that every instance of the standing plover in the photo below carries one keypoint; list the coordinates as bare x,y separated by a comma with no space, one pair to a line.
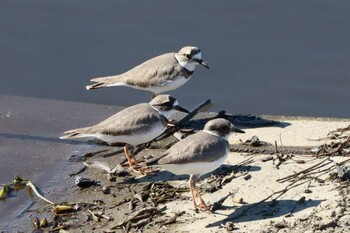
134,125
159,74
198,154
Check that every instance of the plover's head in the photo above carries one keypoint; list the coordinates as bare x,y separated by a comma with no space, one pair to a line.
189,56
166,104
221,127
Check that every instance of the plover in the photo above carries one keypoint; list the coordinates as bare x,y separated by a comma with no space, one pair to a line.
159,74
198,154
133,126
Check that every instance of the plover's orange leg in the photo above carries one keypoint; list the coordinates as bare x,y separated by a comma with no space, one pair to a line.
192,193
131,160
202,205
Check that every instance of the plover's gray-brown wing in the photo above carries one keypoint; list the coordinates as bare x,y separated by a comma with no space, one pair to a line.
133,120
199,147
152,73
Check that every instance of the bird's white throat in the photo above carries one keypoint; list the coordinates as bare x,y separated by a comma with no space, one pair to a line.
226,137
190,66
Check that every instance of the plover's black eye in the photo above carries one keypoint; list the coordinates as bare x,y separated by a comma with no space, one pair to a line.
226,128
189,56
168,106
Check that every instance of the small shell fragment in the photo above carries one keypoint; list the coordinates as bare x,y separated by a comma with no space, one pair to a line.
62,209
237,199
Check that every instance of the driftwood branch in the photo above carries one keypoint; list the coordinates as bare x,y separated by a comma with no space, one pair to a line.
32,186
146,212
183,121
310,170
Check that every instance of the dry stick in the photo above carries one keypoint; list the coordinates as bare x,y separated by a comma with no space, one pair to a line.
304,172
32,186
179,124
145,212
336,150
328,169
344,162
276,148
340,129
119,203
316,166
284,179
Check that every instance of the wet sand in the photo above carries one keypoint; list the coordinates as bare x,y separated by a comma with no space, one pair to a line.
30,147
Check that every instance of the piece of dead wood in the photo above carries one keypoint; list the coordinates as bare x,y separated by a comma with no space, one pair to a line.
309,169
183,121
78,172
97,216
120,202
170,220
312,170
335,151
218,204
146,212
91,154
32,186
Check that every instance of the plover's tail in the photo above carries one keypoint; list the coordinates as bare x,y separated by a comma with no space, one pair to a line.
103,82
75,133
94,86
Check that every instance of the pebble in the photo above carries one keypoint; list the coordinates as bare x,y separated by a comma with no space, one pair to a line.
281,225
344,220
307,191
284,230
304,218
328,204
301,200
339,211
106,190
247,177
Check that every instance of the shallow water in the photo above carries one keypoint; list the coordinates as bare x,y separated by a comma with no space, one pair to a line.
265,57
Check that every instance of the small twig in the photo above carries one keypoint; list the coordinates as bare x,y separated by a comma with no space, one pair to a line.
78,172
32,186
90,154
313,167
218,204
180,123
337,150
140,214
276,149
120,202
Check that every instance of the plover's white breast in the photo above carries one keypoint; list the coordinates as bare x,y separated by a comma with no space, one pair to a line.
198,168
135,138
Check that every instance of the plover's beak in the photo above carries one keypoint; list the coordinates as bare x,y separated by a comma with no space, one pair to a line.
234,129
203,63
181,109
